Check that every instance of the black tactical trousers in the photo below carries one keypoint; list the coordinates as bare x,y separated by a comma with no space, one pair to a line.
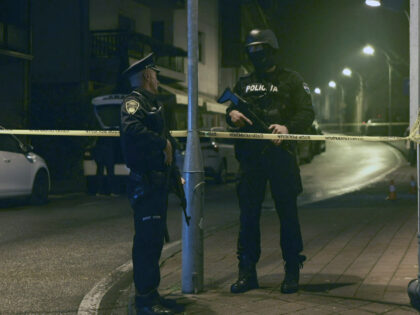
149,224
280,169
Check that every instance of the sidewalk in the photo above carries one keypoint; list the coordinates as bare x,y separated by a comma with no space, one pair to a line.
361,250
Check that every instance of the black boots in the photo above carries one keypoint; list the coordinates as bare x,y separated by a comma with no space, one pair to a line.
292,268
247,280
156,309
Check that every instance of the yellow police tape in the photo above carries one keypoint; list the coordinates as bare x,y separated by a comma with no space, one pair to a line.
215,134
368,124
413,136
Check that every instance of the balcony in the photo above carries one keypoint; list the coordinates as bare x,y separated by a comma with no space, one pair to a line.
125,46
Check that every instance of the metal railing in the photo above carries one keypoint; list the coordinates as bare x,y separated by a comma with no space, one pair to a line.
129,44
175,63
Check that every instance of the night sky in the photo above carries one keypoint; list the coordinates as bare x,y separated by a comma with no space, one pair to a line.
319,37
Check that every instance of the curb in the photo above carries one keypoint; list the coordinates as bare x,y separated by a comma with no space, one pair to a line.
109,287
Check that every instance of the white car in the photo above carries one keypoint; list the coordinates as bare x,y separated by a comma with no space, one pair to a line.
107,112
22,172
218,156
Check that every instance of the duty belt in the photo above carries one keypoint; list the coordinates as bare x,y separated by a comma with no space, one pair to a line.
136,176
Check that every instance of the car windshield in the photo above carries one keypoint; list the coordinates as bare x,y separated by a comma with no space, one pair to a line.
109,115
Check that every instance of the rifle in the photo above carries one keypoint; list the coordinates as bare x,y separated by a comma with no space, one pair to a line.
175,186
258,125
243,106
173,180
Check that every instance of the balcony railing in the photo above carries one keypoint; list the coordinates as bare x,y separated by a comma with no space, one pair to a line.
129,44
174,63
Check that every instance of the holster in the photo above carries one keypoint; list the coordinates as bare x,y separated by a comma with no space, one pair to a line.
143,184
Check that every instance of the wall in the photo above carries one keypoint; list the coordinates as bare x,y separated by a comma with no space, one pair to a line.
12,94
104,15
58,47
208,23
168,17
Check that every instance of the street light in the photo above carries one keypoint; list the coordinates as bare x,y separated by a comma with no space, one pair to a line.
373,3
392,5
359,109
340,95
369,50
347,72
317,100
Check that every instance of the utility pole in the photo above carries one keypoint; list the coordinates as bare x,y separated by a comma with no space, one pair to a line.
414,285
192,235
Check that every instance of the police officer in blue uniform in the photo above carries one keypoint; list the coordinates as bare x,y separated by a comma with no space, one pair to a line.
282,100
148,152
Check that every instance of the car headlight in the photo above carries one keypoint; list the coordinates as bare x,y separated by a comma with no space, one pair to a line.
31,157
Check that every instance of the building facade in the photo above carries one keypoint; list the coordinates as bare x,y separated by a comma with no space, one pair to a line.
15,61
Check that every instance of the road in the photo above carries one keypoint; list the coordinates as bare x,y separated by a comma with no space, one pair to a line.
52,255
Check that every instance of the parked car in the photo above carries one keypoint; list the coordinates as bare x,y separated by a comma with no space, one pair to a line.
375,127
218,156
22,172
318,146
219,153
306,150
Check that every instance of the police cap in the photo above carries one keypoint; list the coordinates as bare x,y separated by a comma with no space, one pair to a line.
145,63
257,37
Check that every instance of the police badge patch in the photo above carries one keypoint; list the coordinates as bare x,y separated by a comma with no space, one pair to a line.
132,106
306,88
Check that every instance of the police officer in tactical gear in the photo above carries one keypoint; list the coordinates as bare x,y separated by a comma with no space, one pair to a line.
281,99
148,152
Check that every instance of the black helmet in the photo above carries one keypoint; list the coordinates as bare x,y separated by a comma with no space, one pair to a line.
256,37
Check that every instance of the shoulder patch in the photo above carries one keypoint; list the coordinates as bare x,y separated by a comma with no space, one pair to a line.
131,106
306,88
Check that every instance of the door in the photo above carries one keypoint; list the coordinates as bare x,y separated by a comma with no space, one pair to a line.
15,169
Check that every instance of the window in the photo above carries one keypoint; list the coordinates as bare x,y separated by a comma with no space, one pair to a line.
8,143
109,115
201,46
158,30
126,24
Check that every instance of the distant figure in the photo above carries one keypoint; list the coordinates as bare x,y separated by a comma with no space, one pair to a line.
104,156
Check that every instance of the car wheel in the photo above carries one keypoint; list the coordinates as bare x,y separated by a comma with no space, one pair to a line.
40,188
221,177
